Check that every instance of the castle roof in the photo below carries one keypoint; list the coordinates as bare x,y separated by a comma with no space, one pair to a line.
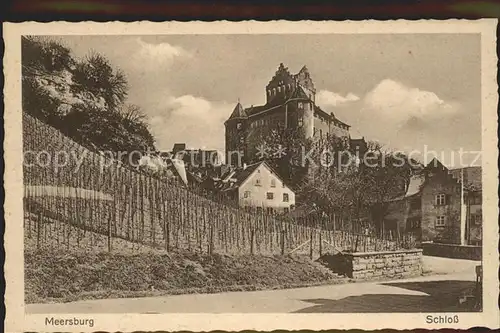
279,100
300,93
238,112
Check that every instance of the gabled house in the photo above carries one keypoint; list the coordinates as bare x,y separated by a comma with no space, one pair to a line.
439,205
258,186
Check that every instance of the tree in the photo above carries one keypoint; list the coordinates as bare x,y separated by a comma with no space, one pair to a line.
84,99
388,175
96,75
362,189
132,113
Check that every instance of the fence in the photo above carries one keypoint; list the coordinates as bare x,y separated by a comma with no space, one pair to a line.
92,202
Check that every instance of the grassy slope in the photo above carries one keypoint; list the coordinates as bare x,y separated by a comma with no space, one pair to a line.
52,276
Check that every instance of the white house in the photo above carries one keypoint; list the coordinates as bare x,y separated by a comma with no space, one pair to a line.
258,185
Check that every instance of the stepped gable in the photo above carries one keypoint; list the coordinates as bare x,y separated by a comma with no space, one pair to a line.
281,74
303,78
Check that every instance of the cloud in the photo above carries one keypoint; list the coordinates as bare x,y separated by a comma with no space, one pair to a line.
193,120
404,117
392,99
160,52
328,98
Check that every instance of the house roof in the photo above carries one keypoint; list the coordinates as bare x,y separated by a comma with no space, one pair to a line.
472,176
178,147
237,177
435,164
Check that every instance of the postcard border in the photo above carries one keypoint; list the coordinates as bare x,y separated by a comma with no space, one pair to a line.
17,320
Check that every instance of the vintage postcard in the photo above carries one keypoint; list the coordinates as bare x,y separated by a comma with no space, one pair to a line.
251,175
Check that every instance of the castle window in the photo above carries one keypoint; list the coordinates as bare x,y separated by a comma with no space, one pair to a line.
440,221
270,195
440,199
238,126
300,122
257,181
285,197
279,89
300,105
273,182
246,194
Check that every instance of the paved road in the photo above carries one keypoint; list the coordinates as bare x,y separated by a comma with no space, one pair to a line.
432,293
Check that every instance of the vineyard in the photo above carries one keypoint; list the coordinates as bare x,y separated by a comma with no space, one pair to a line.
93,202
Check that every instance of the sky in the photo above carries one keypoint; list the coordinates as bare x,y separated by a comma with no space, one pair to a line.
413,92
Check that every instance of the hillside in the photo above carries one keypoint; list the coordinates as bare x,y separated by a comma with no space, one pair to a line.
85,99
52,276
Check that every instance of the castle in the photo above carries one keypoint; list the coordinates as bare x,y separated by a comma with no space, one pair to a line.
290,103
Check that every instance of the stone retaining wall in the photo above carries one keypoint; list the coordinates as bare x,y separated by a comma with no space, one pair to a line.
455,251
387,264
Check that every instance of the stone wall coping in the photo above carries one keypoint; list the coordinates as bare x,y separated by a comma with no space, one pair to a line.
374,253
451,245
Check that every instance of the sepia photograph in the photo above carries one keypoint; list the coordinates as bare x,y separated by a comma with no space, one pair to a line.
236,172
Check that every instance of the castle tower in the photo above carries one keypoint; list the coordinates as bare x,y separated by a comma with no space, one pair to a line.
281,86
303,79
236,127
